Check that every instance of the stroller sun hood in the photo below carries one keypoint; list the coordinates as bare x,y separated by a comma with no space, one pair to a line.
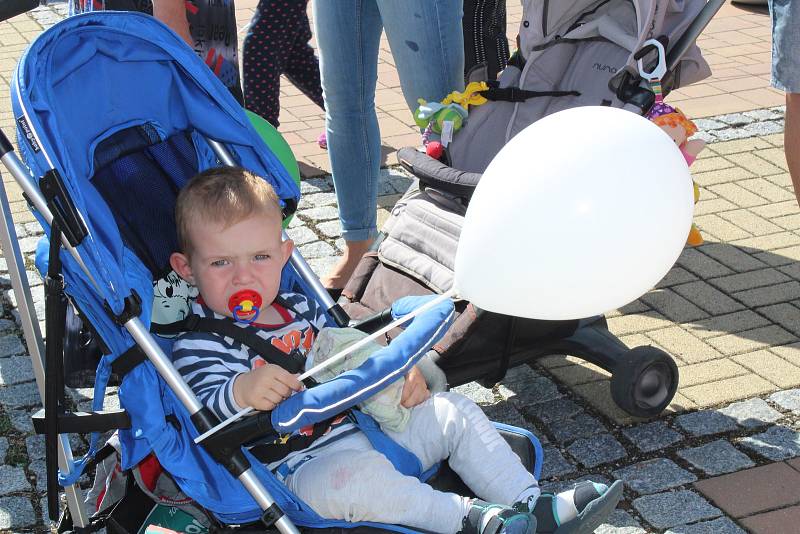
81,81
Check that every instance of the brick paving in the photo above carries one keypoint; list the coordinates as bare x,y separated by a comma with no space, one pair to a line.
728,312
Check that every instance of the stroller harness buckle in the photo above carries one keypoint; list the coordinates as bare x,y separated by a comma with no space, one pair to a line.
133,307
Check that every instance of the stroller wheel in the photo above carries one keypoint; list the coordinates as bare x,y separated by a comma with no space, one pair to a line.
644,381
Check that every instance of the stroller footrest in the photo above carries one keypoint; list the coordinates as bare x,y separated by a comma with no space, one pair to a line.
84,422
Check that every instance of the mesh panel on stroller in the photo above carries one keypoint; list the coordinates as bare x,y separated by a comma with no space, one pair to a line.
570,54
115,114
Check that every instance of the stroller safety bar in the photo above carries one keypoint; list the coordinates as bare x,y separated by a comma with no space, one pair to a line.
334,359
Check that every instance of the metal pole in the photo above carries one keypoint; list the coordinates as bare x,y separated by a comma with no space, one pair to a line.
264,500
30,327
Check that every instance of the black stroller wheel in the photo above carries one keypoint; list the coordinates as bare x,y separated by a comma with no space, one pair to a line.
644,381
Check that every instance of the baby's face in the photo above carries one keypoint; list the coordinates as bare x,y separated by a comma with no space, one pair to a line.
247,255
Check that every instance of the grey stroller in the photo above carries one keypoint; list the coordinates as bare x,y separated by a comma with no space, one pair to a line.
570,54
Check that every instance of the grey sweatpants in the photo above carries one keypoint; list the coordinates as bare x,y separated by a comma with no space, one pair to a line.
350,480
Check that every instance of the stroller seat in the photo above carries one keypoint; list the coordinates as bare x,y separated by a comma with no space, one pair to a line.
115,114
570,54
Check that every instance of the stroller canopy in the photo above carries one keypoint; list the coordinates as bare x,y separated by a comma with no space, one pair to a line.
97,87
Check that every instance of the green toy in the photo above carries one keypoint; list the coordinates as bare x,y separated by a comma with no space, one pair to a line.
434,114
275,141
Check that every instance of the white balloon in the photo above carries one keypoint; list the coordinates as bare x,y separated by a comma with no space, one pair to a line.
581,212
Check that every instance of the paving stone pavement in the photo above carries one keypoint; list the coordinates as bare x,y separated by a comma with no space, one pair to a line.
728,312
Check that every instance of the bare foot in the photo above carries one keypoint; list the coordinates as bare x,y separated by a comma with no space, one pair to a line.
341,272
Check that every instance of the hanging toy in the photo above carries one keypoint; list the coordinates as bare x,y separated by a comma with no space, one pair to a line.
472,95
245,305
680,129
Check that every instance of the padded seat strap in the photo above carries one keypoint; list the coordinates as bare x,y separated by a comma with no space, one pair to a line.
292,362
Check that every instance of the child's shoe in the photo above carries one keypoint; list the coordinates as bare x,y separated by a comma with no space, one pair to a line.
487,518
591,504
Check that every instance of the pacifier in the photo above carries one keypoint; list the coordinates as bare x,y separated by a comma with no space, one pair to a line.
245,305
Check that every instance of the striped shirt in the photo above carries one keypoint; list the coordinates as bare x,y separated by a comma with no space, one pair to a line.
210,363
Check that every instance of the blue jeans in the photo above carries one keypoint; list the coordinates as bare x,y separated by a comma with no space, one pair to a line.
427,45
785,44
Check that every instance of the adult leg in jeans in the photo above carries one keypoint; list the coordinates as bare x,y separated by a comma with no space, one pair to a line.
786,77
427,45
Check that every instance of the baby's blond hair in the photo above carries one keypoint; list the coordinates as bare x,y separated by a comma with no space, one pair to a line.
222,195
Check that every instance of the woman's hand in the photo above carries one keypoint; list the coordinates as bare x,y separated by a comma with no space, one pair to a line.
415,390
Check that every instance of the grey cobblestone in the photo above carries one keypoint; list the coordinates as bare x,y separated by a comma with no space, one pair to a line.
620,522
324,213
751,413
735,119
330,229
764,128
776,443
6,325
506,413
705,422
729,134
12,480
653,476
597,450
538,390
316,185
16,512
476,392
302,235
39,470
10,345
788,400
550,411
653,436
555,465
15,370
716,458
3,449
21,421
316,200
317,249
518,377
20,395
763,114
664,510
709,124
581,426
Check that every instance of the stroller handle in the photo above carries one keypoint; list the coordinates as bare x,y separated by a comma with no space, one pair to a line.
692,32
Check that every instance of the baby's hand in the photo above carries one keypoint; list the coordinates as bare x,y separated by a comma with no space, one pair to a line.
264,387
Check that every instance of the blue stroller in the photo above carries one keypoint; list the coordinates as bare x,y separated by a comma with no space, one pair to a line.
114,115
